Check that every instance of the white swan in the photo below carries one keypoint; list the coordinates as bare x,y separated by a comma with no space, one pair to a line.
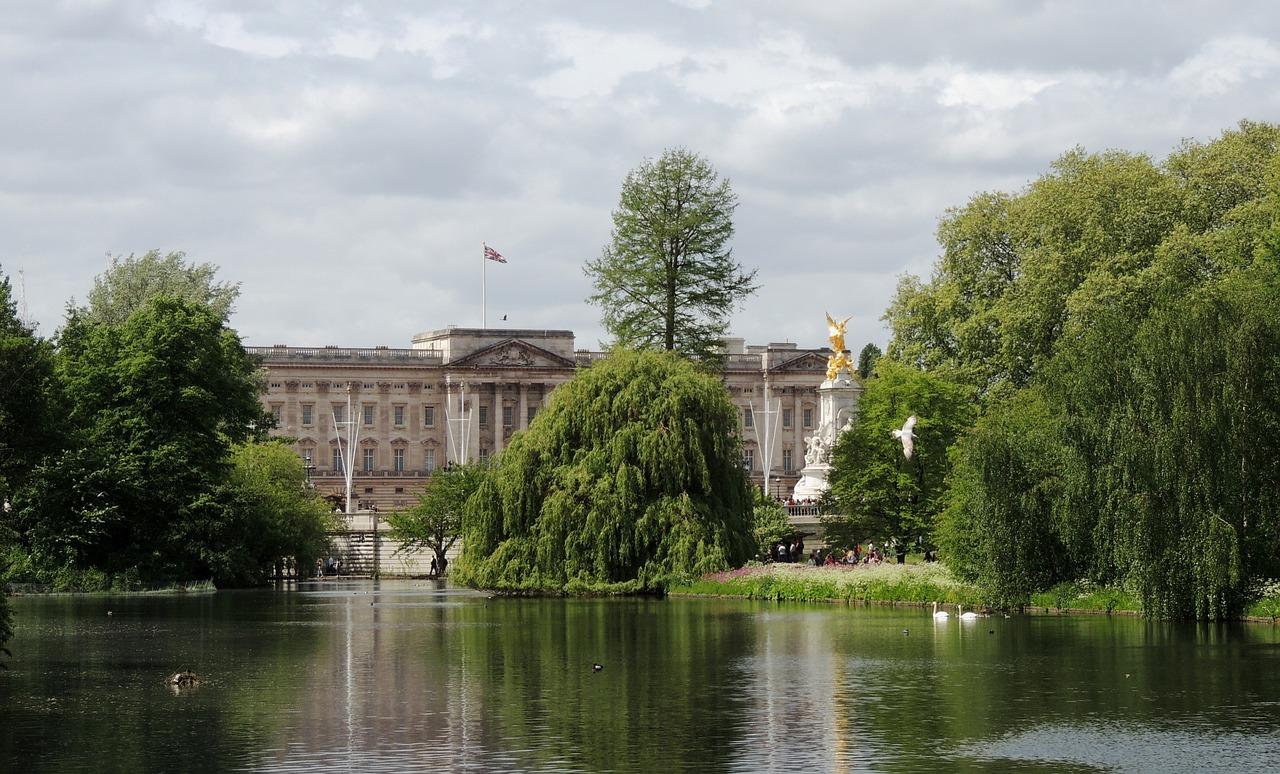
939,615
969,616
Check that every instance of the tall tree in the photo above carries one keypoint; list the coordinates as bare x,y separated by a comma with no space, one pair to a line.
867,360
667,278
631,476
877,490
129,282
435,521
156,403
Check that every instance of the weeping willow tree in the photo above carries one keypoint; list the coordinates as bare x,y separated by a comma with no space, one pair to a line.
630,477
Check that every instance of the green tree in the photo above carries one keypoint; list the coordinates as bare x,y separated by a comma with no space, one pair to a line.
130,282
29,424
156,403
278,515
877,491
867,360
667,279
1004,525
632,475
1117,319
770,524
435,521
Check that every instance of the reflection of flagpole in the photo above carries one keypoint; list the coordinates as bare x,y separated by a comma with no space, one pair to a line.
483,320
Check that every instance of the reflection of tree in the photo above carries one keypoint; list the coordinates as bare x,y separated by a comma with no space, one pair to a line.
670,692
103,705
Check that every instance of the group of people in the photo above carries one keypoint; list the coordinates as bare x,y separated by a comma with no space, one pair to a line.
328,566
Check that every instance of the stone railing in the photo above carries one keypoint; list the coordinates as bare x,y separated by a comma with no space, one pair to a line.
805,510
347,354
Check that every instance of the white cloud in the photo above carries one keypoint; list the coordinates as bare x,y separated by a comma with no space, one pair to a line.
1223,64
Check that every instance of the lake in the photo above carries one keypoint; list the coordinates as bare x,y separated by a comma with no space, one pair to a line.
415,676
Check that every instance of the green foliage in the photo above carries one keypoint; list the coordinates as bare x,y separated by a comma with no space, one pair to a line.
130,282
1083,595
770,524
1001,527
667,278
29,422
917,583
435,521
156,403
632,475
277,515
1119,319
867,360
877,491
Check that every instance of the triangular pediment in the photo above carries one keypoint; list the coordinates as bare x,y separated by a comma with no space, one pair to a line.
809,361
513,353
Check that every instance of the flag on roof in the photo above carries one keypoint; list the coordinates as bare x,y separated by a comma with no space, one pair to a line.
493,255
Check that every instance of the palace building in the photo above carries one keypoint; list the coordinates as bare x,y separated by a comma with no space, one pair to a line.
461,393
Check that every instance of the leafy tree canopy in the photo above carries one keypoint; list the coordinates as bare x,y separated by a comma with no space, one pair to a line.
867,360
632,475
877,491
667,279
129,282
1118,317
435,521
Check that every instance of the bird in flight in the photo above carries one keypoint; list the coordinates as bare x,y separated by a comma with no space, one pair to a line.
907,436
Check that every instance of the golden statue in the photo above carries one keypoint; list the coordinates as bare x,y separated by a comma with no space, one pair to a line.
839,360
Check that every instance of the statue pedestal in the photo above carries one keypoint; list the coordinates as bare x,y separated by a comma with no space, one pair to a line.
838,400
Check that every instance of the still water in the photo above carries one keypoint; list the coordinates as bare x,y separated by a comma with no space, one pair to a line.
411,676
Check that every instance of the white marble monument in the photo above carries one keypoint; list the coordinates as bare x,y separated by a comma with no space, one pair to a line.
838,400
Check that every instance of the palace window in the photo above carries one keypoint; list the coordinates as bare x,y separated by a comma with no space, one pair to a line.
808,417
339,412
368,460
277,414
748,418
397,460
786,460
484,455
749,459
368,414
484,417
307,414
398,415
337,459
428,416
508,416
429,460
786,418
533,412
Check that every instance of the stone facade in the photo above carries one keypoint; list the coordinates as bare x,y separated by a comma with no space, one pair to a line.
404,399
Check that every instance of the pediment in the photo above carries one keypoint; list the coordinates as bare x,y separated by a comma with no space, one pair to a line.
430,442
809,361
513,353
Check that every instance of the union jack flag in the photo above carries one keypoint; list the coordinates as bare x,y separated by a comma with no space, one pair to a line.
493,255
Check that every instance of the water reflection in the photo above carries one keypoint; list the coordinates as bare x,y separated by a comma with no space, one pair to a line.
419,677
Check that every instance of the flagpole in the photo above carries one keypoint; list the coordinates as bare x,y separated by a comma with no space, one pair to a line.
483,319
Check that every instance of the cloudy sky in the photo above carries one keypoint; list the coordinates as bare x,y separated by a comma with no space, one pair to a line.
344,161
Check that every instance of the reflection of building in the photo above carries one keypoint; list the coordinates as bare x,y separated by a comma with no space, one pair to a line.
404,399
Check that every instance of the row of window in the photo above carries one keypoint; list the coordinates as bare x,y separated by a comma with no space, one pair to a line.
367,461
749,420
749,460
369,415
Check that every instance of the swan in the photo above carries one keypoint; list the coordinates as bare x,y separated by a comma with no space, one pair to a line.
939,615
969,616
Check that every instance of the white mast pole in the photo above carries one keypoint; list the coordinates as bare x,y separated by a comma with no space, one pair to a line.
484,320
770,415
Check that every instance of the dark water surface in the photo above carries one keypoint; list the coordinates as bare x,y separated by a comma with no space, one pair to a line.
409,676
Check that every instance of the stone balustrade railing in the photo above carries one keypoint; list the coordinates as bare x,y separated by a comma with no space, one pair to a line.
348,354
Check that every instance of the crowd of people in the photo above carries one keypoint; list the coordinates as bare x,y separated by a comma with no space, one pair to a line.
870,554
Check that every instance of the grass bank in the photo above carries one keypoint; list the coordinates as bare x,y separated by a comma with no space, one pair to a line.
907,584
920,584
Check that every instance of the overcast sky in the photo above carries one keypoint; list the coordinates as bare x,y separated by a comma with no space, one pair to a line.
344,161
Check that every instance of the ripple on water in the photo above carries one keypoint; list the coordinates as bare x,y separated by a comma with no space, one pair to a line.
1120,746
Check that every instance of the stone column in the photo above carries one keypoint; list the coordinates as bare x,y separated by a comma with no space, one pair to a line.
495,416
522,421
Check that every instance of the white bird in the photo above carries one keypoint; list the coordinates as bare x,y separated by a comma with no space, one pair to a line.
969,616
906,436
939,615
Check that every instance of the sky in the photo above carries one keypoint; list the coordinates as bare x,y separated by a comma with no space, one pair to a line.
345,161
